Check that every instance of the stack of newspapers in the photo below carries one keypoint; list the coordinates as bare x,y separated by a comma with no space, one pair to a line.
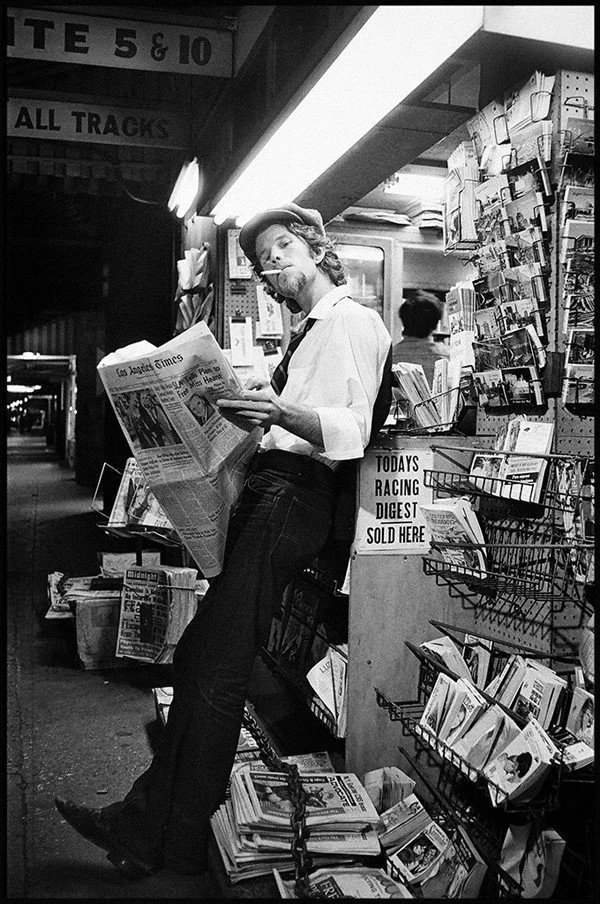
253,830
433,407
344,882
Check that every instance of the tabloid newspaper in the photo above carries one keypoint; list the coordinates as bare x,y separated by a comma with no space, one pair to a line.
193,459
156,605
333,800
360,882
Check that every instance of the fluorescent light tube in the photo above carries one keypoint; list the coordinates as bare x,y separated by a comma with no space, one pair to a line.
393,53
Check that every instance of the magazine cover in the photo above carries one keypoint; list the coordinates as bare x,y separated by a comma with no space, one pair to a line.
438,703
580,721
329,798
418,858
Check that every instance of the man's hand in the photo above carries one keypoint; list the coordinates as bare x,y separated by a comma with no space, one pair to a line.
256,383
264,408
258,408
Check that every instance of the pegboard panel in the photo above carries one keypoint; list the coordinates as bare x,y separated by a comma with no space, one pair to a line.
573,85
239,295
575,92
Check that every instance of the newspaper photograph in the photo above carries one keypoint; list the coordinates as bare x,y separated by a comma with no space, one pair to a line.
192,458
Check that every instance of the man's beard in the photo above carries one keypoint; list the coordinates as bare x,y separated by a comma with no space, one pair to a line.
290,284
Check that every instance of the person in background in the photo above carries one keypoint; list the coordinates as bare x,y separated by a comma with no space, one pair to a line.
325,402
420,314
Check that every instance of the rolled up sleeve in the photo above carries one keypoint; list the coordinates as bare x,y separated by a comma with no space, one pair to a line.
342,436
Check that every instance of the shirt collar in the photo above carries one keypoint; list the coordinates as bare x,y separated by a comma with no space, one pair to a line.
327,302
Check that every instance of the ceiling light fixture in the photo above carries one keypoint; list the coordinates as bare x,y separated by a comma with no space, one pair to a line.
392,54
186,190
16,387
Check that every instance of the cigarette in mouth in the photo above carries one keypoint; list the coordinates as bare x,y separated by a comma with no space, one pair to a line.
269,272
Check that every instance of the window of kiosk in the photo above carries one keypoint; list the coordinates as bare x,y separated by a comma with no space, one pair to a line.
364,269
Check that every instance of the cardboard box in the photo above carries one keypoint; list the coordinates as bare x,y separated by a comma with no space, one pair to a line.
96,626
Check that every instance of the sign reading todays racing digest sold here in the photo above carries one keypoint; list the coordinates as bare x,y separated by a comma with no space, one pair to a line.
391,490
46,34
81,121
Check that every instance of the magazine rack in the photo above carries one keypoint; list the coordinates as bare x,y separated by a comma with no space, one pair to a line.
409,424
554,497
500,652
131,530
483,832
409,712
430,668
540,573
296,680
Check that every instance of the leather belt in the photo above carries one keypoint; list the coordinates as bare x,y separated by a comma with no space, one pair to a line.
311,470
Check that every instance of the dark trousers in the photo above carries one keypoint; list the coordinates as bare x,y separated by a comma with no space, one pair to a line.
279,525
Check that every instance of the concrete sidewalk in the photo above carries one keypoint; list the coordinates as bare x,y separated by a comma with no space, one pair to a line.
84,735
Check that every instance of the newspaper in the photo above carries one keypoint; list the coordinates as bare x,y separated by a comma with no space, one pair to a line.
333,800
359,882
328,680
156,605
193,459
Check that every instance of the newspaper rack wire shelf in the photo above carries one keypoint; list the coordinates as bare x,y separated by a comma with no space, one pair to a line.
497,884
296,680
131,530
430,667
408,713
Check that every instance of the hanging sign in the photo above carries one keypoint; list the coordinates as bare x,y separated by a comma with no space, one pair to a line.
81,121
391,491
36,34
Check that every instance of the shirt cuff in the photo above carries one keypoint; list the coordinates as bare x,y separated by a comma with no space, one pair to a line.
342,438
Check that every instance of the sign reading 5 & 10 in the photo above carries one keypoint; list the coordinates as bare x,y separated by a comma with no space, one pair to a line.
122,43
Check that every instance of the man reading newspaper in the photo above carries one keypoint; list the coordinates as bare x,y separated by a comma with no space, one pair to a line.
327,400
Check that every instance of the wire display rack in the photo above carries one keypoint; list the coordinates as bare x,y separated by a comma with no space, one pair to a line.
409,713
500,652
485,833
532,575
563,485
296,680
430,668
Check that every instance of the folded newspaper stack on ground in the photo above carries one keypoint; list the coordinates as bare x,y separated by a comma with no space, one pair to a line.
328,679
156,606
358,882
193,459
253,830
456,535
65,592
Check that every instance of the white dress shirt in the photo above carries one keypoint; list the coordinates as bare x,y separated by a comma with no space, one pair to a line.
337,370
